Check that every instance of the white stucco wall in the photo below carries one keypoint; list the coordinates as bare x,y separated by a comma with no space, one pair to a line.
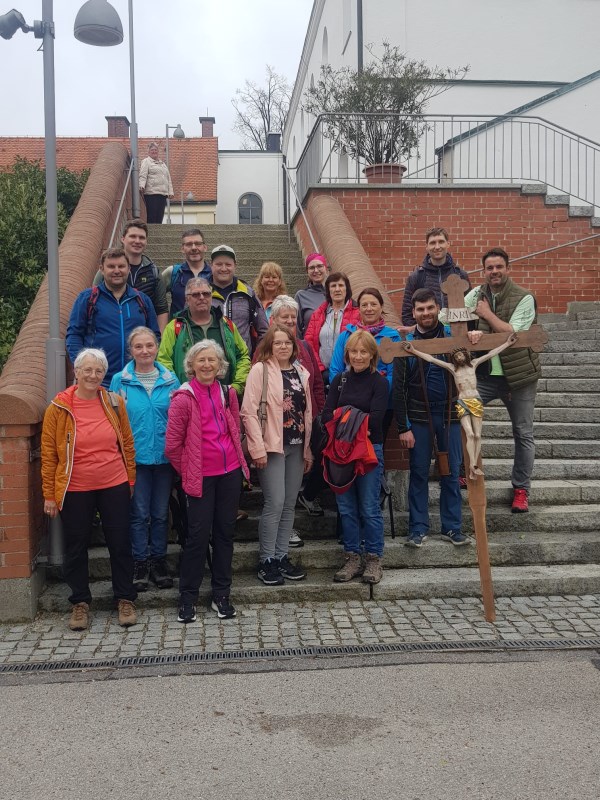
246,171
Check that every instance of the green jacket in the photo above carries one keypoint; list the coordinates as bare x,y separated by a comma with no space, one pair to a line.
520,364
181,333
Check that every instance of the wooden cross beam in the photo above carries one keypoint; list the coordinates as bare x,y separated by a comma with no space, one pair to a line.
458,317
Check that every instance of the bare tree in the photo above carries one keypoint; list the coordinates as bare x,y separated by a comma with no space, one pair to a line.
261,109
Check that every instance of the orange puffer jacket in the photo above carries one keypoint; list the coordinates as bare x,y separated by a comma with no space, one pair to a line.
58,441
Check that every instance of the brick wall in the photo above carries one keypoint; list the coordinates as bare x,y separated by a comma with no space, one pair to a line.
391,224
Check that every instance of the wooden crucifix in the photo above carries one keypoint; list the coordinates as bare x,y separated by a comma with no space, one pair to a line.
457,317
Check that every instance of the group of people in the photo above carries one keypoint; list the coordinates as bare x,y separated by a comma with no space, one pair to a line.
232,377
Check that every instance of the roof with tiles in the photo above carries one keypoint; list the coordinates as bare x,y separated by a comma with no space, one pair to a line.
193,161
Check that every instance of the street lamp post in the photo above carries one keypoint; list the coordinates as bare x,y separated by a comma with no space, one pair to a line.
177,134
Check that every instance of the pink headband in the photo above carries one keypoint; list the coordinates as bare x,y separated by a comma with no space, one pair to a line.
315,257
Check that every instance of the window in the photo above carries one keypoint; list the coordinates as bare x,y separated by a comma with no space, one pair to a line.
250,210
325,48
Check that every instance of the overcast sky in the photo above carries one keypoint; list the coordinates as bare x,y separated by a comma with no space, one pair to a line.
190,57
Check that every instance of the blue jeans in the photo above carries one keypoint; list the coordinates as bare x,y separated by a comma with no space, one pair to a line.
360,512
520,404
150,511
418,488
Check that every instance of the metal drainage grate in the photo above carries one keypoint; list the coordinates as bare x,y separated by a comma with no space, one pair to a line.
490,645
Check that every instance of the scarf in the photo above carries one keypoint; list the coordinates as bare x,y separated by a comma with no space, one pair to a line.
372,329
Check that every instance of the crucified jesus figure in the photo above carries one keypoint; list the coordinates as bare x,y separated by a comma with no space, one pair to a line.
469,406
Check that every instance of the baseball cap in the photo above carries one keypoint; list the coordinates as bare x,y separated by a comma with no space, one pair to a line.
222,250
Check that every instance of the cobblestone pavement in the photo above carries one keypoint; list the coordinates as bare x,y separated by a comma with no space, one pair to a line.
278,625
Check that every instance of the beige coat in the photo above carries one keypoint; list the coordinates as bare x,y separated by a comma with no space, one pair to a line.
155,178
272,442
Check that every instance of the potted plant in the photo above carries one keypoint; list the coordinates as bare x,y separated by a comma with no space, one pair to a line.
376,116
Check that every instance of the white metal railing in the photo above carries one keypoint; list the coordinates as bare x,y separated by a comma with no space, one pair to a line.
118,221
451,149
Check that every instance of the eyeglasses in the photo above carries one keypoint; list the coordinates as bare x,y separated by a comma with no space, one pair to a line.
196,295
314,267
89,371
193,244
283,344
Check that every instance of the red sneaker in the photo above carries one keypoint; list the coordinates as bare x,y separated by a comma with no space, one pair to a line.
520,503
462,482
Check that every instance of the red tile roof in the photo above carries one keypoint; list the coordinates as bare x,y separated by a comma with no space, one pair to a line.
192,161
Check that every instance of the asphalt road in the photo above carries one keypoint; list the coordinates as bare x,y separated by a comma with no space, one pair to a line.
459,728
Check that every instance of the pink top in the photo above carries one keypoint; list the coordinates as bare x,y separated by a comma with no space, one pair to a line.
218,452
97,460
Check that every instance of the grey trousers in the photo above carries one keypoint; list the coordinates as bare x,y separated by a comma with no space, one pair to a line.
519,404
280,482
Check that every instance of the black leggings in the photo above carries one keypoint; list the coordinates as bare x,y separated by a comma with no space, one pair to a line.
155,207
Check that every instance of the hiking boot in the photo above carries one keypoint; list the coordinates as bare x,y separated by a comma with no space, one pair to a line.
520,503
268,572
159,573
80,618
415,540
290,571
312,506
373,569
295,540
127,613
352,568
187,613
456,537
223,608
140,576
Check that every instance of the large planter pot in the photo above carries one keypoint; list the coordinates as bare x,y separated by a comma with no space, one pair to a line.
384,173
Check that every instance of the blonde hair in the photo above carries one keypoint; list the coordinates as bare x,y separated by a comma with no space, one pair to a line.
270,269
368,342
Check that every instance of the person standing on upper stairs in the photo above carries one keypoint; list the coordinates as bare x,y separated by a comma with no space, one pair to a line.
144,275
175,277
236,299
313,296
511,376
155,184
437,265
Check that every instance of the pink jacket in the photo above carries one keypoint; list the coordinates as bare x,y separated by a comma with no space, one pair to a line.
183,445
350,316
258,447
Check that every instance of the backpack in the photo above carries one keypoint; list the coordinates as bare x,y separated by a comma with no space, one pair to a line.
93,299
174,273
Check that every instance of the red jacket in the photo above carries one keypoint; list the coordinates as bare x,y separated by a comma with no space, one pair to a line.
349,452
350,316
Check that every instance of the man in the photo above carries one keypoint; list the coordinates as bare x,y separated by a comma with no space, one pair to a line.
504,307
421,398
236,299
198,321
436,267
105,315
175,278
144,275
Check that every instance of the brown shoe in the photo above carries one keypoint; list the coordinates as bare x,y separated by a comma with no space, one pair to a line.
352,569
127,615
373,569
80,618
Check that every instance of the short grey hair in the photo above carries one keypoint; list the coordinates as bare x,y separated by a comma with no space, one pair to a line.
282,302
195,283
205,344
91,352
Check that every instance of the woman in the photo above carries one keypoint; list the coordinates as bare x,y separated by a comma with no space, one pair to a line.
203,445
155,184
279,446
147,386
330,319
269,284
361,519
88,464
312,297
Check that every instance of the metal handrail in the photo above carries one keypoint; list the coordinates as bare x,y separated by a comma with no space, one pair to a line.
118,216
293,187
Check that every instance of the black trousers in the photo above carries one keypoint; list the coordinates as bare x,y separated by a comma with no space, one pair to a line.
213,513
77,516
155,207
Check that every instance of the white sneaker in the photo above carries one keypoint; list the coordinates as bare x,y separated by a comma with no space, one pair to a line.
295,540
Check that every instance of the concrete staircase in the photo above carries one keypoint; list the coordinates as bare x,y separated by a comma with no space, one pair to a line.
253,244
554,549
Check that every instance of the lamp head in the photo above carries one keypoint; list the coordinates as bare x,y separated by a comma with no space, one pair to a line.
98,23
178,133
11,22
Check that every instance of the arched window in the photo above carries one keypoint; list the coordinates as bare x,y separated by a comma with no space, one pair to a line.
250,209
325,48
302,126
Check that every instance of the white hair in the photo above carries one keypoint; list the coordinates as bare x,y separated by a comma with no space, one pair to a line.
282,302
205,344
92,352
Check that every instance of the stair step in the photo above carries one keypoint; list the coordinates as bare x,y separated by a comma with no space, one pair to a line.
569,384
546,469
570,371
568,359
576,579
566,400
545,430
548,491
559,346
544,448
583,333
563,414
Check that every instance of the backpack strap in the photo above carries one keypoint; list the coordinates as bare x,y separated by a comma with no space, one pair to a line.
177,327
174,273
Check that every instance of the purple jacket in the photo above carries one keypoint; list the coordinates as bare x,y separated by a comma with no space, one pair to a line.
183,445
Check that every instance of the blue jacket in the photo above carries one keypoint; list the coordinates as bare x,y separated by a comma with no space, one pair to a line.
108,323
337,360
147,413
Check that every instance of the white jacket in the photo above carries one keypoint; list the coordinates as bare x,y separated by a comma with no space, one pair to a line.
155,178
